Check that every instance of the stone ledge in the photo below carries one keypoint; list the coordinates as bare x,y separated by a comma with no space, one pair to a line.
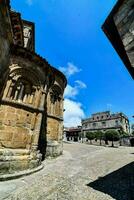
7,177
55,117
21,105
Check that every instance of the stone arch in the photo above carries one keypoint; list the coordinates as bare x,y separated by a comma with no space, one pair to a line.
28,74
55,98
22,85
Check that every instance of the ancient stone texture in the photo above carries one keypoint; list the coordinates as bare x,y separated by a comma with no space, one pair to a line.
5,38
124,20
20,115
119,29
30,85
55,117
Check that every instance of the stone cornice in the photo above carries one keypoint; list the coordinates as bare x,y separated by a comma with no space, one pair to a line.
34,57
90,120
104,128
21,105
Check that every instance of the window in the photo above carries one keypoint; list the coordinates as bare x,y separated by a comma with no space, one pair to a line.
116,122
103,123
85,125
94,124
21,90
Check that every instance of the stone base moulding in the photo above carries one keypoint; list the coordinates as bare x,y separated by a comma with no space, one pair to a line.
54,149
15,160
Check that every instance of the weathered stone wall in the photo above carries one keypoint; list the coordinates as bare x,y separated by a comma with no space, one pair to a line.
16,127
5,36
21,114
55,117
31,108
124,20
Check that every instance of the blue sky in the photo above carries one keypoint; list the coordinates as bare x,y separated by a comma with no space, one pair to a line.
69,36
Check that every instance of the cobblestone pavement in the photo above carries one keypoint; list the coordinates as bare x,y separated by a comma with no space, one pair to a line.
83,172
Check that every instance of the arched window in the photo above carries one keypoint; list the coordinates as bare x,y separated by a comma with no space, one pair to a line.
55,98
21,90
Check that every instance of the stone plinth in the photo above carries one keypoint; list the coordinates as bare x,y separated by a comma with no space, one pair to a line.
13,160
54,149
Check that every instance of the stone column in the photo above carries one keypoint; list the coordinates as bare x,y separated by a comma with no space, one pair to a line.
48,104
52,105
37,98
25,98
31,99
37,127
20,97
7,88
61,107
42,103
57,107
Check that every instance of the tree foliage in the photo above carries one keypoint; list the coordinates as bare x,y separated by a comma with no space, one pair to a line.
132,132
90,136
112,135
99,135
123,134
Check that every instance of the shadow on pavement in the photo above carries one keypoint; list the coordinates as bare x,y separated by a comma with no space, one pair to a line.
118,184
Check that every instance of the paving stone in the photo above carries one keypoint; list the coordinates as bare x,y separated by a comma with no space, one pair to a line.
83,172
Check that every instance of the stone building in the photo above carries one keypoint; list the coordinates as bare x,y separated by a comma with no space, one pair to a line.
105,121
31,104
119,28
72,134
6,38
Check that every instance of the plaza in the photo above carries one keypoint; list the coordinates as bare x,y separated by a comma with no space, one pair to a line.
83,172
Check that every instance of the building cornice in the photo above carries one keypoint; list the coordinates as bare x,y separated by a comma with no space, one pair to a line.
103,128
34,57
21,105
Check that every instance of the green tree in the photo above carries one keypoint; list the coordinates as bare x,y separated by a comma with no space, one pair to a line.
132,133
90,136
123,134
99,135
112,135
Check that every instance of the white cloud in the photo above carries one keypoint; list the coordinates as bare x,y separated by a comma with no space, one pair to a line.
29,2
81,84
73,113
71,69
73,110
72,92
